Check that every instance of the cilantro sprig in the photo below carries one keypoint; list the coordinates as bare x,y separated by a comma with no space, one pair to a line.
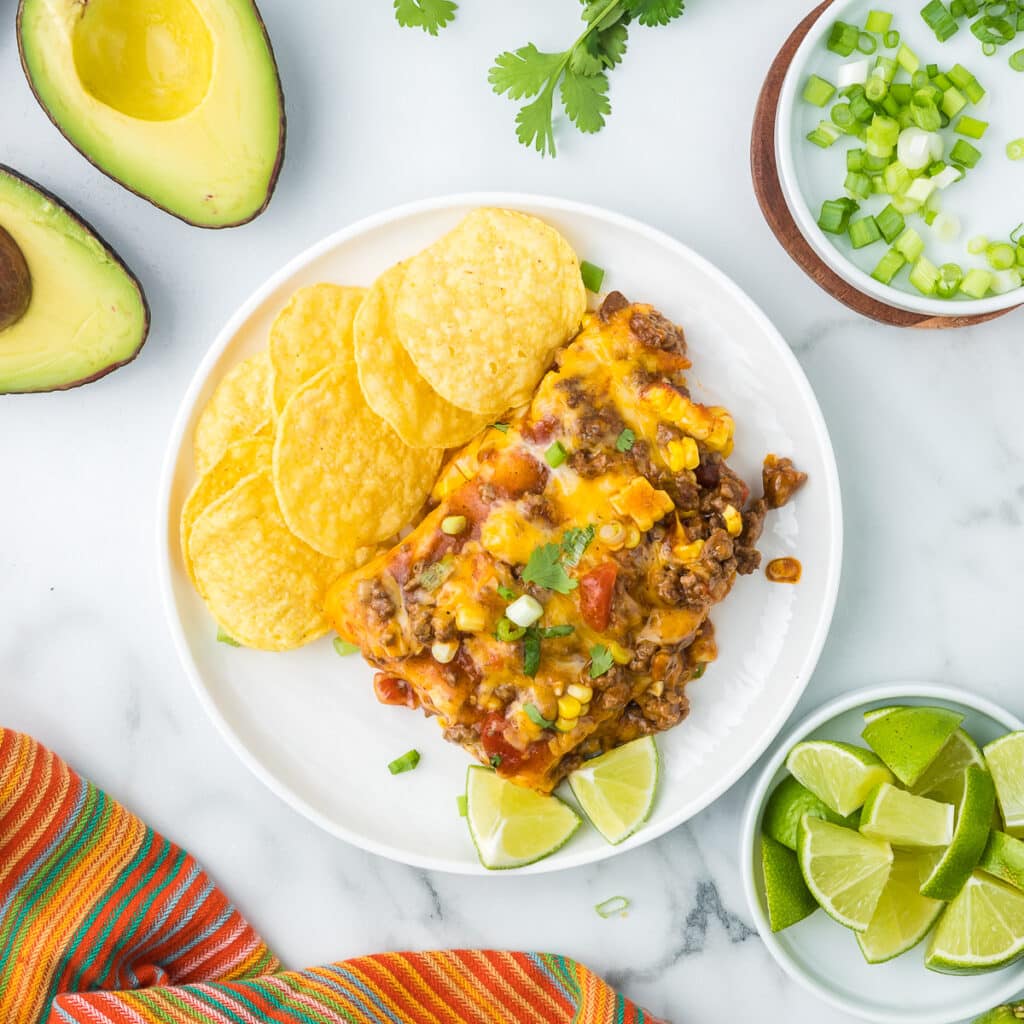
578,74
429,15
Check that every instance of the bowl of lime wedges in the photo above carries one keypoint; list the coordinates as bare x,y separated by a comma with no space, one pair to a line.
883,854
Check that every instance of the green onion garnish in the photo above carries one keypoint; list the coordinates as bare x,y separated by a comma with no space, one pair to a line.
971,127
843,38
939,20
531,653
593,276
818,91
878,21
892,40
615,905
1017,61
554,632
503,427
835,215
863,232
625,441
964,153
1015,149
950,276
556,455
344,648
1001,256
462,804
534,715
495,760
406,763
911,244
506,592
924,276
977,245
889,266
867,43
891,223
700,670
224,638
508,632
976,283
434,575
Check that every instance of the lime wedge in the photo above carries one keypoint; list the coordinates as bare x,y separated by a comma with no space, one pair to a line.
1003,1015
838,774
616,790
788,803
973,820
870,716
905,820
845,871
903,916
1005,759
909,739
786,893
943,779
1004,858
983,928
512,826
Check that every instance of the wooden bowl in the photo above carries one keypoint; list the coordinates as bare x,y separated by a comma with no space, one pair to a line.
765,171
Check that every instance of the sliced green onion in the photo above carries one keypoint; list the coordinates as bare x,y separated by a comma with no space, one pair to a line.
941,82
855,159
994,31
524,611
886,67
1001,256
843,38
503,427
939,20
613,906
434,575
953,101
977,245
507,593
924,112
858,184
625,441
976,283
897,178
878,21
867,43
892,40
462,804
924,276
861,107
864,232
556,455
890,223
534,715
971,127
1015,149
876,89
1017,60
593,275
816,91
842,115
1004,281
911,244
964,153
989,49
946,227
531,653
344,648
554,632
964,80
508,633
225,638
907,59
901,92
406,763
835,215
950,276
1017,233
889,266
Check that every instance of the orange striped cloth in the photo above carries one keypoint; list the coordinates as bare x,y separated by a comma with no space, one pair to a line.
103,921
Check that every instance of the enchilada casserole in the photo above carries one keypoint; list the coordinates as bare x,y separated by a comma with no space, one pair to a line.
553,603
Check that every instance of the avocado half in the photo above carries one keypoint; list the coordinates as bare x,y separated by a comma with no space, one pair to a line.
178,100
70,310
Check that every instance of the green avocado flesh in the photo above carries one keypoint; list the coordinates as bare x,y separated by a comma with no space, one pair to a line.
178,100
86,314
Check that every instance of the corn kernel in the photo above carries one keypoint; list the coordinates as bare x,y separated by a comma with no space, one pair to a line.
644,504
682,453
721,434
568,707
585,710
688,553
444,652
656,689
493,704
733,521
619,653
581,692
470,618
565,724
453,525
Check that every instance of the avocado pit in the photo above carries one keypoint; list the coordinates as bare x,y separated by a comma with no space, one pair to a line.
15,281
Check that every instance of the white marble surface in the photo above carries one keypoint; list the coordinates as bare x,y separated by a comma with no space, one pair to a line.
925,428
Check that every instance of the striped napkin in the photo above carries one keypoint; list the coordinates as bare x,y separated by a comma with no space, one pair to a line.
104,921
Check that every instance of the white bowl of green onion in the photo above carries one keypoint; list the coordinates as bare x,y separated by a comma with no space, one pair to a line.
900,145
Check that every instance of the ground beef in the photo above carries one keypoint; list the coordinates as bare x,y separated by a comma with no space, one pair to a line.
748,560
536,506
643,651
753,523
596,427
421,623
613,303
462,733
718,547
373,594
574,393
616,693
655,331
664,712
589,463
781,480
640,456
683,491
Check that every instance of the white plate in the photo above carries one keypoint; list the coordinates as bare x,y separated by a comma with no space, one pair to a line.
307,722
984,201
822,955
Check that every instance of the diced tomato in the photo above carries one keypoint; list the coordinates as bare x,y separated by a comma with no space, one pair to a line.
505,758
513,473
596,590
392,690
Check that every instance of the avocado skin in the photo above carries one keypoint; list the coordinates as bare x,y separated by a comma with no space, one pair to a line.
144,334
15,281
274,174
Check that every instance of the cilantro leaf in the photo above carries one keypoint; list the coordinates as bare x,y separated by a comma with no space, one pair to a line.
546,570
612,44
554,632
531,652
524,72
625,441
574,542
429,15
586,56
585,98
507,593
654,12
601,660
534,715
533,124
600,14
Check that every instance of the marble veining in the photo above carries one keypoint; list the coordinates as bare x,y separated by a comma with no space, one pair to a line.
925,426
